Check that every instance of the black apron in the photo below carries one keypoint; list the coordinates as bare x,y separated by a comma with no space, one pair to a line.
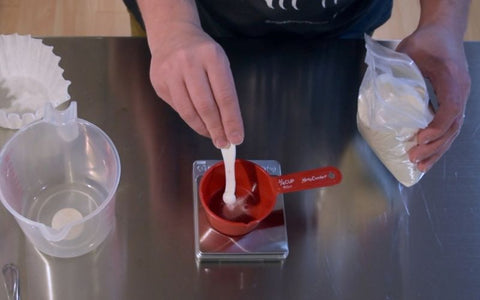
253,18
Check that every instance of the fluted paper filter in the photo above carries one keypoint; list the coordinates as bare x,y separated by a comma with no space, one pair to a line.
30,76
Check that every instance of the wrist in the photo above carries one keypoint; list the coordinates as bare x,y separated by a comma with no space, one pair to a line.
161,15
448,17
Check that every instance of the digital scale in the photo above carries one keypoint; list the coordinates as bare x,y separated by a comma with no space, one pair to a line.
267,242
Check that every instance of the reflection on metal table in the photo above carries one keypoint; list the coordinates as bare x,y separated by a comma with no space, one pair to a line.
367,238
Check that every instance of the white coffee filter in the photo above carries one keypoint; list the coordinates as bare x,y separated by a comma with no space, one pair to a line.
30,76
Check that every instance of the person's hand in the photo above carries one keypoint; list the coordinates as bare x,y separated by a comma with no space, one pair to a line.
441,58
191,72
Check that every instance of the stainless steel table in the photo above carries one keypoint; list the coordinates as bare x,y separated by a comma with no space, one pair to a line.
368,238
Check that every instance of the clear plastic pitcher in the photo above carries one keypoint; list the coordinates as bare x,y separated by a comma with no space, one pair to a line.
58,177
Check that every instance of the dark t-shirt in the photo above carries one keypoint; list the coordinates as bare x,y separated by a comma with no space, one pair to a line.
325,18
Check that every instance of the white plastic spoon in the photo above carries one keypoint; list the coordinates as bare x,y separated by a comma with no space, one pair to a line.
229,161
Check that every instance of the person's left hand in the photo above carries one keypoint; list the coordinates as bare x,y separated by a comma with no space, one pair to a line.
440,57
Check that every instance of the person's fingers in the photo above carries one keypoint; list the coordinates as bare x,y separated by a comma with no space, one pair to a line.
223,88
202,90
440,134
438,149
428,163
425,155
447,121
451,108
203,100
182,103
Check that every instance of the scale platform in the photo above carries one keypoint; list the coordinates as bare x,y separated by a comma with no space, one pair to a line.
267,242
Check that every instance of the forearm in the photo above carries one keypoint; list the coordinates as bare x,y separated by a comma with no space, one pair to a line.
159,14
451,15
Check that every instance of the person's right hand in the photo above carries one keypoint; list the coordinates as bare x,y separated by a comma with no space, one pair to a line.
191,72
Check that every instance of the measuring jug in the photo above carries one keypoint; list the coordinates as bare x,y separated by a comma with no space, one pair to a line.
58,177
256,193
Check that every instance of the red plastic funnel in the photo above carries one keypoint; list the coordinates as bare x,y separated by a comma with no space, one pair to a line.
256,193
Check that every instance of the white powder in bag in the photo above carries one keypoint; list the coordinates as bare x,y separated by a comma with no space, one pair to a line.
390,113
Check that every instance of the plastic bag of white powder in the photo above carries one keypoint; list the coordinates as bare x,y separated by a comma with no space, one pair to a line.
393,104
